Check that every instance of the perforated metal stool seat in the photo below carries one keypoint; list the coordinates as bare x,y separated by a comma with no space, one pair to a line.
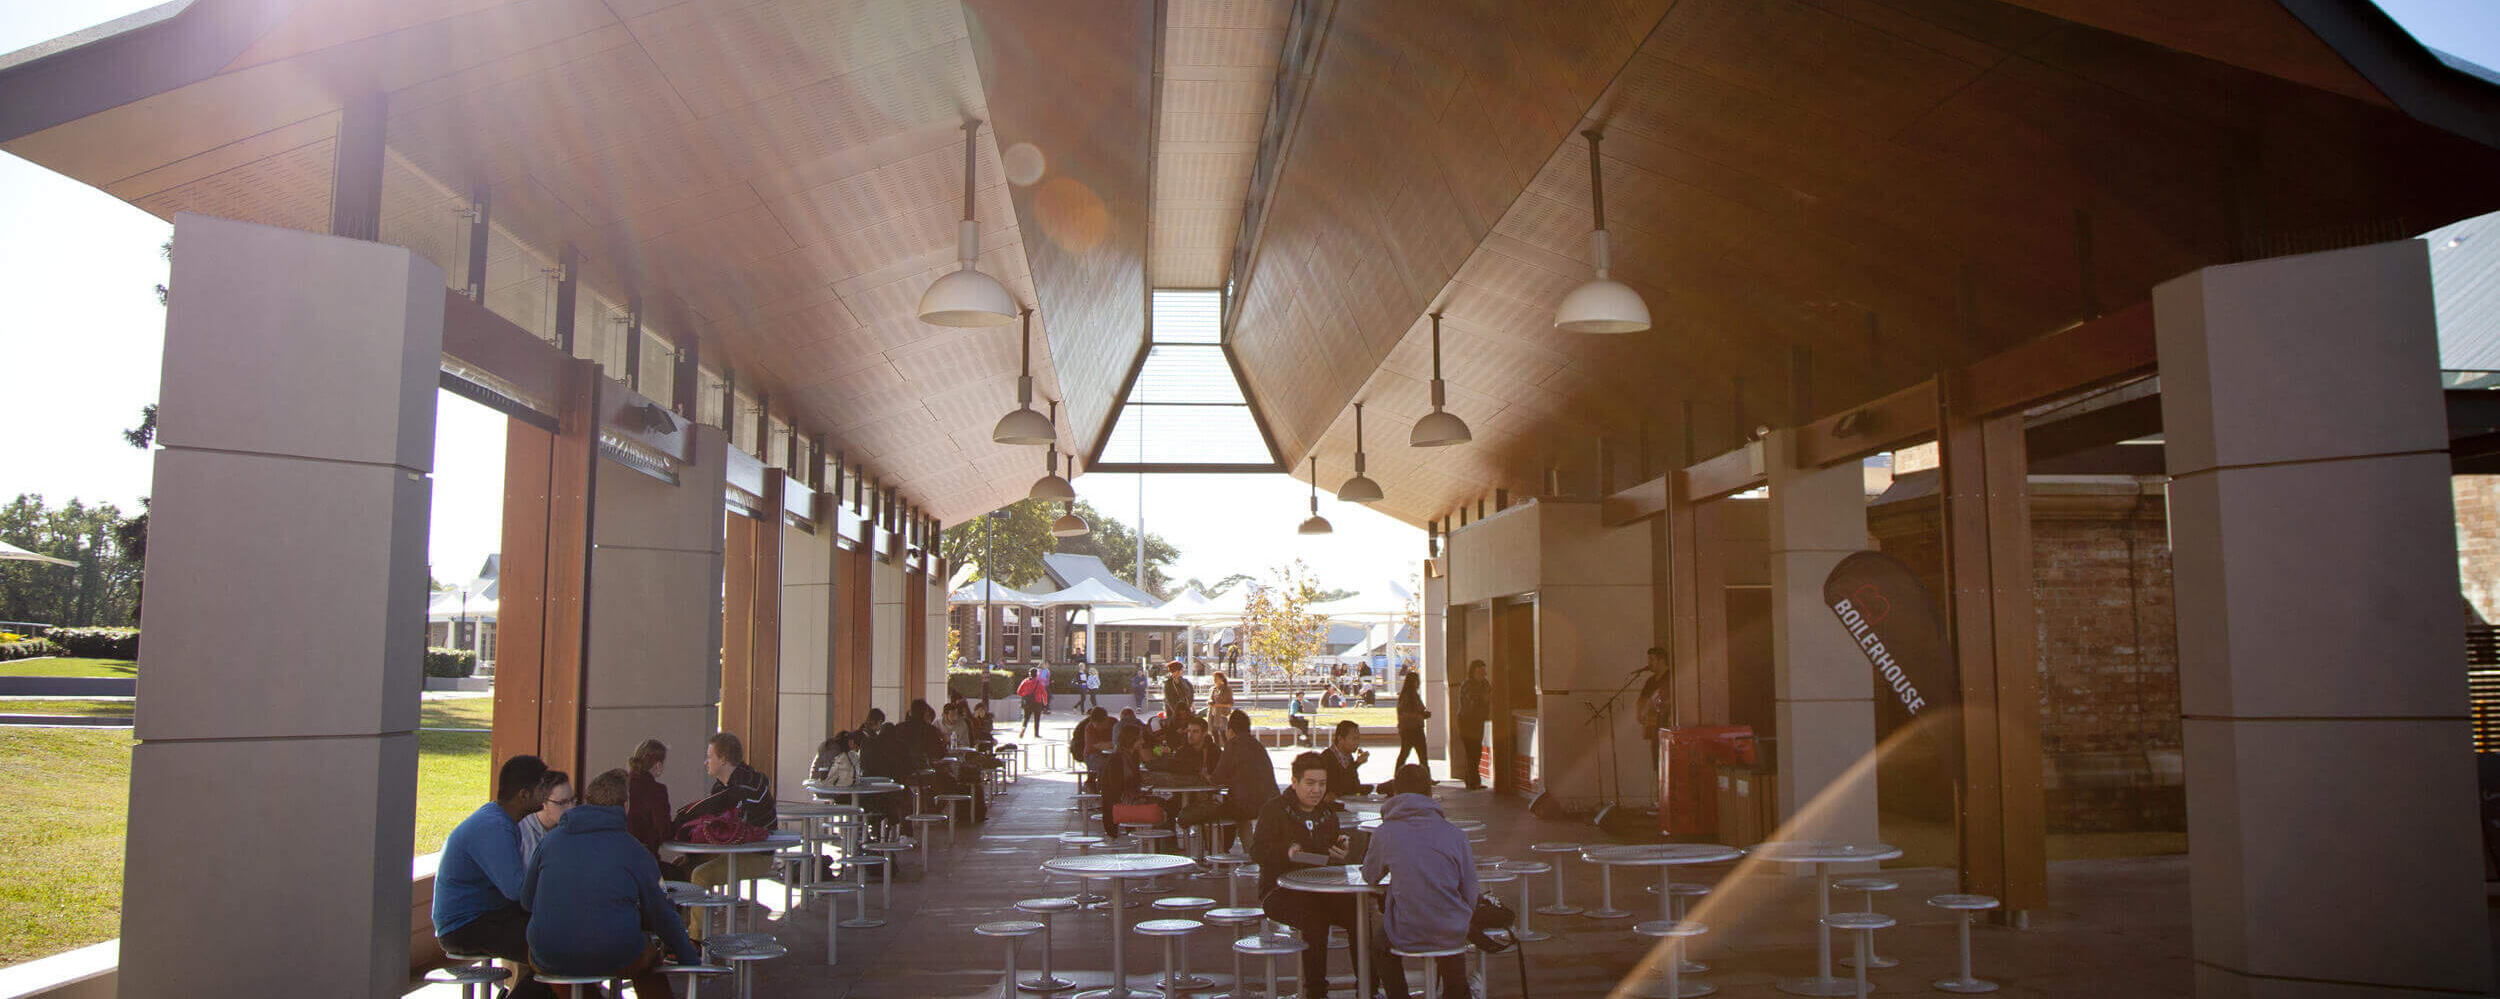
1967,906
1675,932
1526,871
924,820
1228,866
947,803
1864,924
833,915
1561,907
1186,905
1085,895
1268,948
1871,887
1173,932
1234,916
1153,840
891,853
741,951
694,974
477,980
860,866
571,986
1011,930
1046,908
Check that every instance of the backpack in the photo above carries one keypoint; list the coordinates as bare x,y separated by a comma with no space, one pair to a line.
719,827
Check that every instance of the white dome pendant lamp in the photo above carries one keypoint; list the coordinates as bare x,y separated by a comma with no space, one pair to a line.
968,297
1317,524
1024,426
1360,488
1438,428
1051,487
1603,305
1069,525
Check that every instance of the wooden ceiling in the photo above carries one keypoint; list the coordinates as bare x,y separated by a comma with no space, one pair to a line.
1895,186
1892,185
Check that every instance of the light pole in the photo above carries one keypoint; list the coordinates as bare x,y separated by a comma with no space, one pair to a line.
989,589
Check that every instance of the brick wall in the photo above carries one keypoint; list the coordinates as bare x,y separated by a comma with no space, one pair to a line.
2108,653
2478,542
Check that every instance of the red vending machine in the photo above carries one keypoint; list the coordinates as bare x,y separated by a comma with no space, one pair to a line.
1688,774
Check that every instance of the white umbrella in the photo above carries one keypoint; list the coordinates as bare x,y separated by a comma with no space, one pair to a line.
983,591
1089,593
13,553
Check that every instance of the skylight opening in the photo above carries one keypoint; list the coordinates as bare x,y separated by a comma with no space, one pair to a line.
1185,406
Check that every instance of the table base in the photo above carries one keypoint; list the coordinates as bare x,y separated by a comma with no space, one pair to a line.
1144,991
1964,986
861,923
1040,984
1879,963
1559,910
1686,990
1811,986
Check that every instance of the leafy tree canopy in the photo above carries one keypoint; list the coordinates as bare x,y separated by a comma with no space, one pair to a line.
1017,542
102,590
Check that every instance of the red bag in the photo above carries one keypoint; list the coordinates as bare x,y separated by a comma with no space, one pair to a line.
1148,814
719,827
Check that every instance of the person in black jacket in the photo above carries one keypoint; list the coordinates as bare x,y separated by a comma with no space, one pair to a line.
593,891
1475,707
1345,754
1248,780
1411,715
1295,830
735,785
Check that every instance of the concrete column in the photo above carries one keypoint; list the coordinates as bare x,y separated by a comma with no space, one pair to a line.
1439,686
1592,637
806,685
2330,771
885,677
286,620
1823,695
934,647
651,667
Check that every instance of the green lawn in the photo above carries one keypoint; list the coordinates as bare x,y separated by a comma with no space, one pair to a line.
70,666
464,712
61,850
82,706
1384,718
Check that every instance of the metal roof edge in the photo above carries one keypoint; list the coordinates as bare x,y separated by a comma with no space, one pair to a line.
2436,90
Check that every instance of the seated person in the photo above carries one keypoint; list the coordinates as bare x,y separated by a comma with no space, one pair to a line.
984,727
599,890
735,786
1431,896
837,761
647,813
555,794
1345,754
873,724
1116,773
477,883
1248,780
1295,830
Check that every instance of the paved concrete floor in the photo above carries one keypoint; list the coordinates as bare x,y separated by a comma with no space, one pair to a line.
2116,928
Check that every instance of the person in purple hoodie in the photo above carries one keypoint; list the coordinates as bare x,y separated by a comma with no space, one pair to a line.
1431,895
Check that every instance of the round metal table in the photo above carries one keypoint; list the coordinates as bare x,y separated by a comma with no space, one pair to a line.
1115,868
1343,879
774,842
1822,856
1666,857
811,816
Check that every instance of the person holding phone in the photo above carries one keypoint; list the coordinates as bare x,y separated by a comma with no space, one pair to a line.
1295,830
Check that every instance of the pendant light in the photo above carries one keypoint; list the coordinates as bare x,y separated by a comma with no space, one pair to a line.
1051,487
1317,524
1603,305
967,297
1360,488
1024,426
1069,525
1438,428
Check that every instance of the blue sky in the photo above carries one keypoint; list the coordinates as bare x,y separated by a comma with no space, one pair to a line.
81,341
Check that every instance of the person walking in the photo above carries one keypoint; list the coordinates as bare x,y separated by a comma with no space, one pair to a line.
1029,694
1178,693
1475,706
1137,688
1088,689
1219,699
1411,715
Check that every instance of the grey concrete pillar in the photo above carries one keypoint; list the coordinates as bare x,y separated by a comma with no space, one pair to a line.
885,659
2330,773
651,668
933,618
1823,693
806,654
273,791
1433,642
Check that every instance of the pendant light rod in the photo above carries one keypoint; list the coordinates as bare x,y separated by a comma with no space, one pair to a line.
1437,390
1597,184
1315,485
1024,370
972,129
1358,442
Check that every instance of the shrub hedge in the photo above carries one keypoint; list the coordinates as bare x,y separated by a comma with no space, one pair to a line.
26,649
453,663
96,643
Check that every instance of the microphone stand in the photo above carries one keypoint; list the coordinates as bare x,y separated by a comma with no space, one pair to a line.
1605,712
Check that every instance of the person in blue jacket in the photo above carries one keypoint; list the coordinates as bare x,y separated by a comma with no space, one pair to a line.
1432,888
477,882
592,890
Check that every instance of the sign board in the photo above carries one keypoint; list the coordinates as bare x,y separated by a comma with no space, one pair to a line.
1894,622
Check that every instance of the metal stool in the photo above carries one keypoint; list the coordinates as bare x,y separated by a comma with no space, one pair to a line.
1560,907
1526,870
1872,887
1012,930
1171,930
1183,906
1152,840
1234,916
741,951
1864,924
1675,932
1967,906
1432,965
695,974
859,896
922,821
1606,897
1269,947
1227,866
572,984
1085,895
947,803
892,853
477,979
1087,802
1487,880
861,920
688,895
1679,894
1046,908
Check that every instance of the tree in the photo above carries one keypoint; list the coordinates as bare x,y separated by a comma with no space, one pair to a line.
1278,627
102,589
133,533
1015,543
1115,543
